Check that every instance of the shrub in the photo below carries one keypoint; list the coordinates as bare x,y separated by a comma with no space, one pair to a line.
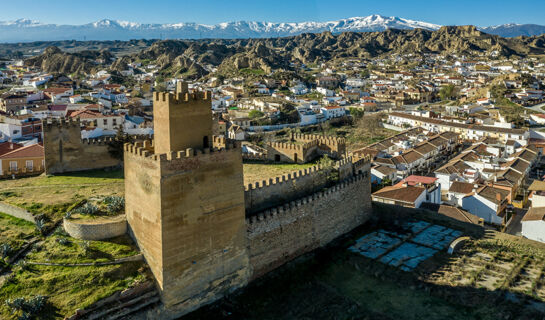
40,226
63,241
114,203
27,309
84,246
5,250
87,208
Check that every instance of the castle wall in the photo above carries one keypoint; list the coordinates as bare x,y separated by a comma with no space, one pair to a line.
291,152
204,230
273,192
262,195
65,151
184,119
332,146
280,234
143,205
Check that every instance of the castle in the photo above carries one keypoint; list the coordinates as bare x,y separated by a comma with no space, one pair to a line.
203,233
305,147
65,151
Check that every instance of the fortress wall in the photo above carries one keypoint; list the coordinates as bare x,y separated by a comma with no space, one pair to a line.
143,204
65,151
204,246
280,234
291,152
273,192
334,146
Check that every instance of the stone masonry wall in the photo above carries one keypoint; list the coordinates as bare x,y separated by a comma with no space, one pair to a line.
280,234
65,151
87,230
16,212
262,195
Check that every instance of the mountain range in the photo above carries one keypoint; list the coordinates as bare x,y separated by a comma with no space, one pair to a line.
24,30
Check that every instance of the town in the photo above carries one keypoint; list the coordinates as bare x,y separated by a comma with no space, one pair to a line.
445,146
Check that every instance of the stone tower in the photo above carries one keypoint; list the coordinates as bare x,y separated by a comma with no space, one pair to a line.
185,204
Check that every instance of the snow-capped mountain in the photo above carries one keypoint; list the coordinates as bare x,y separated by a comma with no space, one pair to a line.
515,30
30,30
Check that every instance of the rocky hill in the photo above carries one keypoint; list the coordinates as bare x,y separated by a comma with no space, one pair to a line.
53,60
277,53
196,58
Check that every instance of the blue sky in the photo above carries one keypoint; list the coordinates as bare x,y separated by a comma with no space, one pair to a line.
446,12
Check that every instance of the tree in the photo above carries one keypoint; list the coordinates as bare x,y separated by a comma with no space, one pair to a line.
254,114
356,113
115,147
448,92
369,123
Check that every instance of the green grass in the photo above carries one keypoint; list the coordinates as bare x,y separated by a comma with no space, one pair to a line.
257,72
262,171
67,288
88,177
71,288
15,232
52,251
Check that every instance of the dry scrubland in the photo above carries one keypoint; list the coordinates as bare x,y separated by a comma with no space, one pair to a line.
494,276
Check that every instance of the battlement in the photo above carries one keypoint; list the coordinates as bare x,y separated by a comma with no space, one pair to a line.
256,157
286,178
145,149
329,140
180,98
49,123
293,146
293,206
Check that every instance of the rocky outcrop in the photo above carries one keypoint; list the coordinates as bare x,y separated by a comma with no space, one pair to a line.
53,60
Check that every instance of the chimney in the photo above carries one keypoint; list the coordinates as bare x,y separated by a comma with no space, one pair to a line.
498,197
11,145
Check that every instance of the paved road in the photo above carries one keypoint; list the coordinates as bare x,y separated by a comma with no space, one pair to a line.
537,107
515,227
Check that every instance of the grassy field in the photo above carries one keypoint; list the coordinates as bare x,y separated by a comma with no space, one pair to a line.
61,189
71,288
258,171
15,232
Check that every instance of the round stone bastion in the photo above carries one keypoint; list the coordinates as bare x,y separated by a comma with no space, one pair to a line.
99,228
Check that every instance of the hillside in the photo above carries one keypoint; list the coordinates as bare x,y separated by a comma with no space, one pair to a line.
194,58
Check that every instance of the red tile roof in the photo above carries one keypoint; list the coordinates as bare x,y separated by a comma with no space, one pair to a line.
6,147
32,151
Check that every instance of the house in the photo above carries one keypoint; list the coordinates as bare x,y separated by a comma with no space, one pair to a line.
409,196
58,94
107,122
236,132
410,192
22,161
21,127
380,173
537,194
533,224
488,202
331,112
12,102
458,190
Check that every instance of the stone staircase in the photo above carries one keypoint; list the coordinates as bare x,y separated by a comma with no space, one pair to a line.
121,304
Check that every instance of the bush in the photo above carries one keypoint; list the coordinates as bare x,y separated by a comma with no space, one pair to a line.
40,226
114,204
27,309
63,241
87,208
5,250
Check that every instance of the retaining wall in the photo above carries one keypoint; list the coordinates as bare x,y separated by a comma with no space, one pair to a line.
16,212
89,230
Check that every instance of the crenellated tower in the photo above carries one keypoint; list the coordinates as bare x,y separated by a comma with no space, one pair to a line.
185,203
